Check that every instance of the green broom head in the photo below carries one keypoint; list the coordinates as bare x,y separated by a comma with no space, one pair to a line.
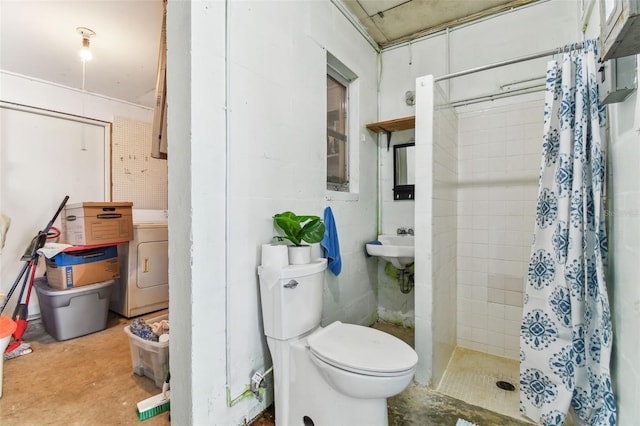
156,404
154,411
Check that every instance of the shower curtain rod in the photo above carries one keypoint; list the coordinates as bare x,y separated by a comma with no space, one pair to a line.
550,52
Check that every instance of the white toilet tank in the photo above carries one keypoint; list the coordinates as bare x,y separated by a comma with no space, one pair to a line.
291,297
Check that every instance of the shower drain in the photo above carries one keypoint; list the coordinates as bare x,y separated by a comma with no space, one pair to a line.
505,385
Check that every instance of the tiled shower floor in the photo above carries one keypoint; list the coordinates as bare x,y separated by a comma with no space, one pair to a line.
471,376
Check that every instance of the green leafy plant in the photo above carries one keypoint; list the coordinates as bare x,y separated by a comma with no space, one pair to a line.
299,228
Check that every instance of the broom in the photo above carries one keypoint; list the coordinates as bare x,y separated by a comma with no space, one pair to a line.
156,404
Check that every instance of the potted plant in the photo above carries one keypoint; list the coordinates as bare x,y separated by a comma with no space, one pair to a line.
299,229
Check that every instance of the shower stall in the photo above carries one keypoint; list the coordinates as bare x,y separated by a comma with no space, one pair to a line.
476,188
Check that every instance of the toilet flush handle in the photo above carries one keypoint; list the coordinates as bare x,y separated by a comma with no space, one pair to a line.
291,284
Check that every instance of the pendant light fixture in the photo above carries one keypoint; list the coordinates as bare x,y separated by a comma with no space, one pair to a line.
85,51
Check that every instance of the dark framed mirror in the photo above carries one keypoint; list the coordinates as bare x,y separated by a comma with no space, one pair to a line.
404,171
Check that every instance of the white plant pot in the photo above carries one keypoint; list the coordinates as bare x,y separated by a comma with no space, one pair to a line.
299,255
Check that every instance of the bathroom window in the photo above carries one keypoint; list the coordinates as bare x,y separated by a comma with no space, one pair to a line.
339,83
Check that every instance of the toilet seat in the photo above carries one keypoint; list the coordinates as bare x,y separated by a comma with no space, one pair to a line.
362,350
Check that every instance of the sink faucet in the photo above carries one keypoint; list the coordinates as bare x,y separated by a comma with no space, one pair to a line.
404,231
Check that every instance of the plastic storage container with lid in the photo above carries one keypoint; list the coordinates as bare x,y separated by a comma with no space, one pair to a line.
150,359
73,312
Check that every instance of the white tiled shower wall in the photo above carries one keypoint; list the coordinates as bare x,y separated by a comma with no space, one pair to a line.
499,160
444,231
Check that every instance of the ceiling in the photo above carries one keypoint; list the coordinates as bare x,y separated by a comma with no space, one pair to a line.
38,38
391,22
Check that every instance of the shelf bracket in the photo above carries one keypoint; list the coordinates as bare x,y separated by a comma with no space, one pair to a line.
388,132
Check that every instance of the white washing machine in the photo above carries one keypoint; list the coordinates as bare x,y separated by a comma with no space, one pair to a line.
143,286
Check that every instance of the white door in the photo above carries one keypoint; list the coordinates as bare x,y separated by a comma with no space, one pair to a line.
43,157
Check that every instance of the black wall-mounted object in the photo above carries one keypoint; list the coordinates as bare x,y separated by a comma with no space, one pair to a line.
403,184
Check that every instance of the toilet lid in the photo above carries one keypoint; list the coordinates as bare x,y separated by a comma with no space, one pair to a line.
362,349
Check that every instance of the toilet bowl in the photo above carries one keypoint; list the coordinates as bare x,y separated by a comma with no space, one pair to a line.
341,374
362,362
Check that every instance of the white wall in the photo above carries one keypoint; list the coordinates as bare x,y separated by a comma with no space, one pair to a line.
197,198
25,90
50,99
43,158
135,175
444,256
278,86
221,211
424,289
623,228
624,253
393,306
436,239
394,214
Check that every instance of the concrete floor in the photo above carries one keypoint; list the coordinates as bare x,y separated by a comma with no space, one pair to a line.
422,406
88,380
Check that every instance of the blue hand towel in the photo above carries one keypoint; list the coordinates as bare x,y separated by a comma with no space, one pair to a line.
330,242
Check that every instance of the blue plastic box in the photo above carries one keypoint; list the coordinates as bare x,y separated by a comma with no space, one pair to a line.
83,267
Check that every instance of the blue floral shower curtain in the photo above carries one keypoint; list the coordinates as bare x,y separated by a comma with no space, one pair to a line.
566,332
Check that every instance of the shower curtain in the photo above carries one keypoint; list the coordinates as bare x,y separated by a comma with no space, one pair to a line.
566,332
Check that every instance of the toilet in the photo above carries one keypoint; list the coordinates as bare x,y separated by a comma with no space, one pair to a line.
341,374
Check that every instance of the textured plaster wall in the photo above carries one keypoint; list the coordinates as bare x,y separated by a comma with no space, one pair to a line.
258,147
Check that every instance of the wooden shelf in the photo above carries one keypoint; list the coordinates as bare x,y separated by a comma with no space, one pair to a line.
391,126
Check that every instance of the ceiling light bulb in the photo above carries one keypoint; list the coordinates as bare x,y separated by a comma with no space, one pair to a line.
85,52
86,34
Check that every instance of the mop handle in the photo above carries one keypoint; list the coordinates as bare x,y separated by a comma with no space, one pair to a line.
55,216
42,235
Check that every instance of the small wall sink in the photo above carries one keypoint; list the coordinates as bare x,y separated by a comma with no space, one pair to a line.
397,249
